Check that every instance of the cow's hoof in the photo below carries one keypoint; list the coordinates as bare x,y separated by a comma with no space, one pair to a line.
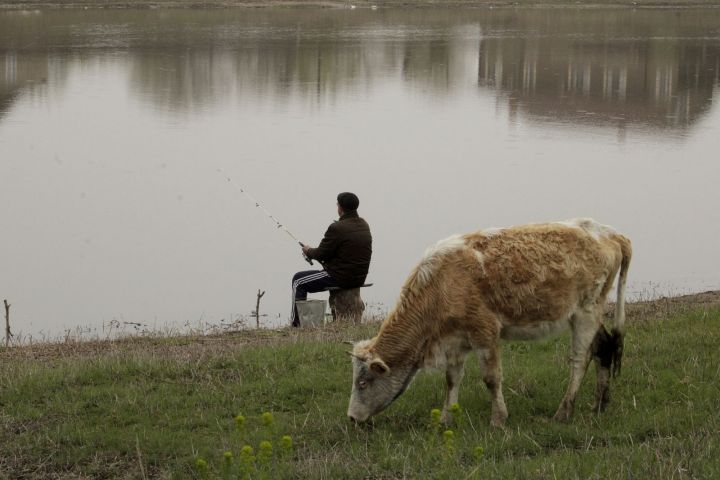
446,419
497,420
562,416
600,406
497,423
602,400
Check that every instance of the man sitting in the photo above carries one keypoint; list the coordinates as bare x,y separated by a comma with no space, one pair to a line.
344,253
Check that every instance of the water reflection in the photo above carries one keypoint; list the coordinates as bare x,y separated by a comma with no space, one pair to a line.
113,123
650,69
653,68
659,83
310,71
20,73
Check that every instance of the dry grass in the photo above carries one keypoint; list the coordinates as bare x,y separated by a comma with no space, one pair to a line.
203,346
345,4
181,346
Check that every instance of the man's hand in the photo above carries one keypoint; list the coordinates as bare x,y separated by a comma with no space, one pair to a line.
305,248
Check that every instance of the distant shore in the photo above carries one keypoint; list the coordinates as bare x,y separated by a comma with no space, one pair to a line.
347,4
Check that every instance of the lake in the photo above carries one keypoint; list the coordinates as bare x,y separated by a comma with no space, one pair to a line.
119,129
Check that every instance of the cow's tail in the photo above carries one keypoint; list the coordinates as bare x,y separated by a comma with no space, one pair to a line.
618,330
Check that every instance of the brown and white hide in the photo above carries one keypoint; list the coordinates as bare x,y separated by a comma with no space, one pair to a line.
471,290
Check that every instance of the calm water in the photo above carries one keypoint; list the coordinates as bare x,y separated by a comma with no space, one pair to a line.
113,125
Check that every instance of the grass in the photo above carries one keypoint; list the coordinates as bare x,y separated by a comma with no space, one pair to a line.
149,408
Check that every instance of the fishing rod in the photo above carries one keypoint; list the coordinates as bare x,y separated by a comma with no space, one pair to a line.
265,211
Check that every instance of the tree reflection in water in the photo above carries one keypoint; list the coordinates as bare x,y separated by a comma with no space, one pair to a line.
650,68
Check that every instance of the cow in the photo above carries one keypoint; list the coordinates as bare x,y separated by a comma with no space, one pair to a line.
469,291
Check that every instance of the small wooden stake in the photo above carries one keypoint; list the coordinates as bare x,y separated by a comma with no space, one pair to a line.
257,308
7,324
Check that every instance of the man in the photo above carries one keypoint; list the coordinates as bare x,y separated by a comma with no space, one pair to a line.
344,253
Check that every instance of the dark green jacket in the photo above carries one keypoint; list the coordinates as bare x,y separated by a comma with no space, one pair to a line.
345,250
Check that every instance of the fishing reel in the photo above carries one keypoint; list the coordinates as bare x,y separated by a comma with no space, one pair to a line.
307,259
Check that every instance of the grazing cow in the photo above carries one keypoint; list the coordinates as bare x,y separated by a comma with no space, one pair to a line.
471,290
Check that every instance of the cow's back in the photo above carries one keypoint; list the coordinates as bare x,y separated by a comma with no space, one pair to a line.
535,277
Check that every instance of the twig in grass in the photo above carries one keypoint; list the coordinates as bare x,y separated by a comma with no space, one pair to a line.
470,475
42,464
257,308
307,417
7,324
470,422
532,440
320,413
171,382
140,462
587,447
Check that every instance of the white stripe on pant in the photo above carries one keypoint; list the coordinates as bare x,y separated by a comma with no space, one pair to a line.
302,281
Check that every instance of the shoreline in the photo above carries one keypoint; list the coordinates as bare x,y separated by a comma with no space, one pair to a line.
172,345
350,4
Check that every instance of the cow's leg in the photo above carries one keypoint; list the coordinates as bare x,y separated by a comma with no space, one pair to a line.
602,391
453,376
585,325
491,369
604,347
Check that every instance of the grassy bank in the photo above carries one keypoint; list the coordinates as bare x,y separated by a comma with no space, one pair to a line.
149,408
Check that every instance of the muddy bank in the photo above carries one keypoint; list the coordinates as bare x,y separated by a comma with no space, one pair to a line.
205,346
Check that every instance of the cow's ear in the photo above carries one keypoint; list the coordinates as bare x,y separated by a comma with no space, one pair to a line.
379,367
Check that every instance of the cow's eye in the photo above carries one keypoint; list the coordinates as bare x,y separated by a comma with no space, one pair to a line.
362,384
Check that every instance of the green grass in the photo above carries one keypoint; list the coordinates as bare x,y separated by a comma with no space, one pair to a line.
150,409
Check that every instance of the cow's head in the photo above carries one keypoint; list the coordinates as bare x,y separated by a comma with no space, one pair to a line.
375,384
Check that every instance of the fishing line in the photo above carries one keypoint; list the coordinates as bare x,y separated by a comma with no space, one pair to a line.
265,211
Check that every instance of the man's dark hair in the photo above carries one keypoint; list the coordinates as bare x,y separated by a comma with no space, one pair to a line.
348,201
